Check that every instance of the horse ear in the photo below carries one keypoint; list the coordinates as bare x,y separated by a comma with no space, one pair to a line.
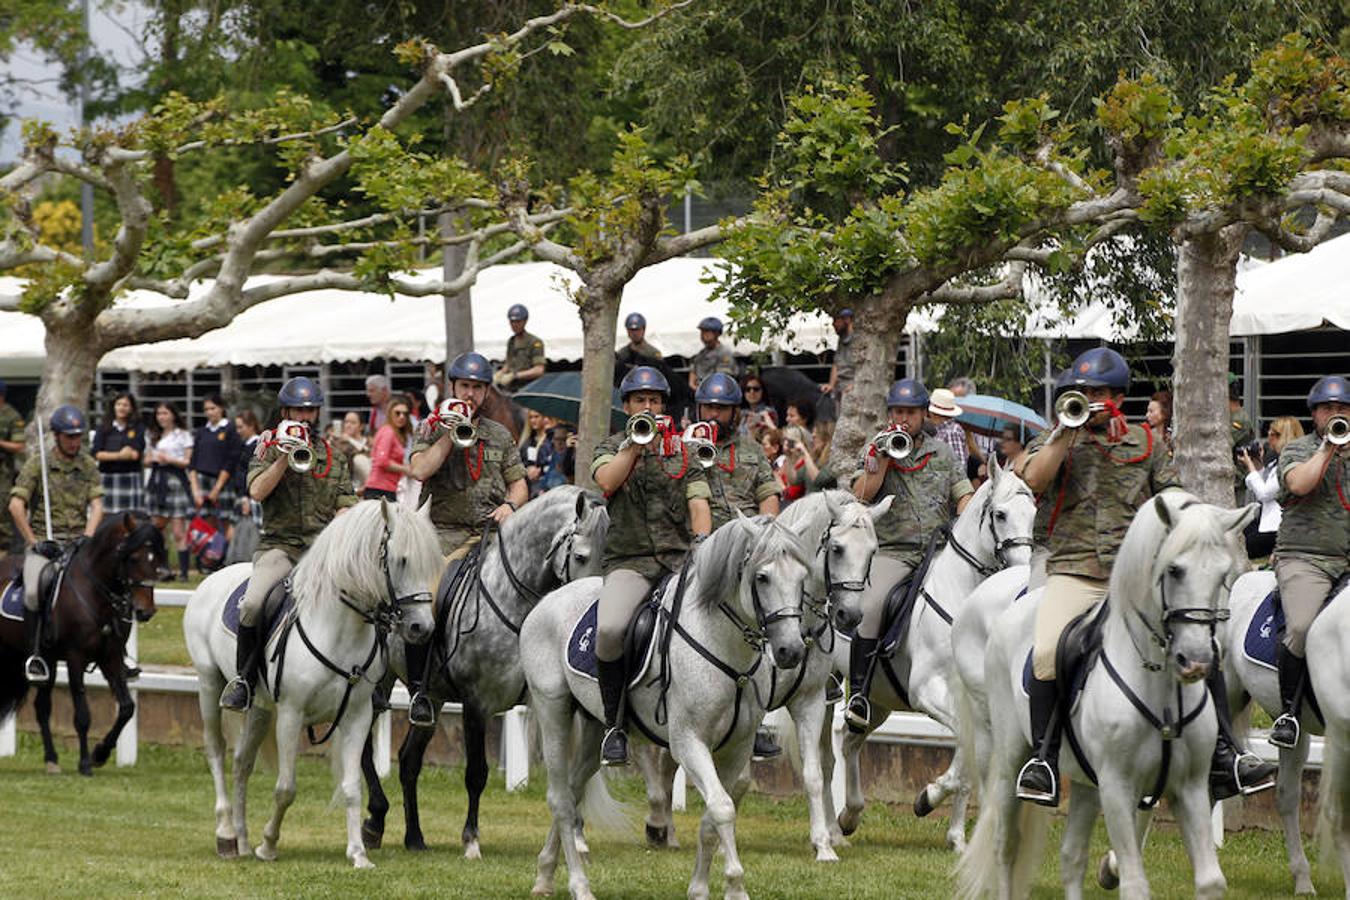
995,473
747,524
880,509
832,505
129,521
384,511
1160,507
1236,520
581,504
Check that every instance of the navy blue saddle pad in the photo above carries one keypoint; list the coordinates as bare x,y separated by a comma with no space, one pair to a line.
581,648
1263,631
273,612
11,600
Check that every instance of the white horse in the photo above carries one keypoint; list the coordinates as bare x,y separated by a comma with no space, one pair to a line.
1329,671
993,532
742,589
842,530
369,572
1168,589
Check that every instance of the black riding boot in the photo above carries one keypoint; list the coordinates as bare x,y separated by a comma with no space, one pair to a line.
858,714
1293,674
1039,779
765,745
614,747
35,667
238,694
421,711
1233,770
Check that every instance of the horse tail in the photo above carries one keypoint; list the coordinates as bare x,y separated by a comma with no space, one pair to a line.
603,814
977,870
786,726
977,865
1332,796
965,727
1034,829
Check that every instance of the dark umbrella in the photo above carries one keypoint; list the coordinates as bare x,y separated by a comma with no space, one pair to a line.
990,415
558,394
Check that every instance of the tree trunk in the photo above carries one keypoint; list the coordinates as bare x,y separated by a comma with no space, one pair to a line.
458,307
68,370
599,309
878,328
1206,280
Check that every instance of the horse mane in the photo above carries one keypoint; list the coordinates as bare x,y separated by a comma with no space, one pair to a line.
1150,543
345,558
109,535
718,560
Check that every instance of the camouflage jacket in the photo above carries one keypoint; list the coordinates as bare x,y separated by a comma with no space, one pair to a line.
302,503
1096,493
73,484
649,513
472,481
523,351
926,486
741,480
714,359
11,429
1317,524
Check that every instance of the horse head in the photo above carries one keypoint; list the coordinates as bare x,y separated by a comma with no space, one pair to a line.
578,550
1007,518
770,593
130,558
844,559
1188,552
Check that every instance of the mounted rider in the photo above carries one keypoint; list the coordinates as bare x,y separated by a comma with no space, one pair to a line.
525,360
75,493
1312,549
740,478
658,501
930,490
466,483
1094,478
299,497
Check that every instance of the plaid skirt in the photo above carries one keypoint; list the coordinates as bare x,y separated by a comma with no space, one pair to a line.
123,491
167,494
225,503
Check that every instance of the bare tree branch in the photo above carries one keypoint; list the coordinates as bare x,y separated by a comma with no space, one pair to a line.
12,256
681,244
1072,178
1006,288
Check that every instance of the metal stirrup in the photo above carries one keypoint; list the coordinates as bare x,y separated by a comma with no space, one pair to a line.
35,669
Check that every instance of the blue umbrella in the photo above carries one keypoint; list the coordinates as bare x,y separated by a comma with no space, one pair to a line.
990,415
558,394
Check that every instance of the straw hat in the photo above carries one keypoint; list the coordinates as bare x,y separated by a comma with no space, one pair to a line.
943,403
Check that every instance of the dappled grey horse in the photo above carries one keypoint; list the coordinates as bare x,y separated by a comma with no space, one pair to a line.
551,540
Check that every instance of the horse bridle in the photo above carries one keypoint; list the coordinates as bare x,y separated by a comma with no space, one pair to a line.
389,612
118,591
1001,547
757,637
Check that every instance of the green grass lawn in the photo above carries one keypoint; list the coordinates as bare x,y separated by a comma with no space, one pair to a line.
160,641
148,830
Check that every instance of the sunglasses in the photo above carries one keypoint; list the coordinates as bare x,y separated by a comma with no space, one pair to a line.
754,387
399,412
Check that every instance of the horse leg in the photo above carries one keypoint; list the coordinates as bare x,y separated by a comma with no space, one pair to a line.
355,735
126,708
1191,807
213,741
256,722
658,774
853,791
1288,793
475,777
42,708
555,725
289,722
1084,804
1118,807
586,753
410,755
718,823
372,829
809,716
80,700
825,746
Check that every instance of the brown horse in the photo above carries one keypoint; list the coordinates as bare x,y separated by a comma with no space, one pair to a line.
109,578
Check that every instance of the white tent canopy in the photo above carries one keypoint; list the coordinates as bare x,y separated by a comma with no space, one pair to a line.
340,326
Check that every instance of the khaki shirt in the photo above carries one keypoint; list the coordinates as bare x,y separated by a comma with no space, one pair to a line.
649,513
524,351
302,502
642,348
1315,526
472,481
11,429
74,483
741,480
926,486
843,360
1097,490
714,359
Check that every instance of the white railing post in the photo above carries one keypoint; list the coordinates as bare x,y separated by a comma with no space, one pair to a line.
679,790
126,741
9,735
516,748
1216,823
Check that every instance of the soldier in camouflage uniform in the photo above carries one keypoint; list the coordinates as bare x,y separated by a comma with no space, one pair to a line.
76,507
465,486
714,357
929,490
296,507
525,359
1094,478
11,455
657,502
1312,550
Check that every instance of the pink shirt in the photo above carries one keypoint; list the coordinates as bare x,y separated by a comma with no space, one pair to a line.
389,448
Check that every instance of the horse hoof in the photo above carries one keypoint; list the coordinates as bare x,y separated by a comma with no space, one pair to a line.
414,843
361,861
473,851
265,853
541,889
921,805
1107,876
370,837
656,837
53,769
826,855
848,822
1304,888
226,848
101,755
86,768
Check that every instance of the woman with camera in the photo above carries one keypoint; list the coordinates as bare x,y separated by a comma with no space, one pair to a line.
1263,483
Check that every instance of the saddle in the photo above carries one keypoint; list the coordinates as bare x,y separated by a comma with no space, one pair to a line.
1079,645
1266,629
276,607
902,599
638,643
11,597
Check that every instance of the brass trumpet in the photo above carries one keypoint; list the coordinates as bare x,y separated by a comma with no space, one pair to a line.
894,443
701,437
456,416
1073,409
293,439
1338,431
642,428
